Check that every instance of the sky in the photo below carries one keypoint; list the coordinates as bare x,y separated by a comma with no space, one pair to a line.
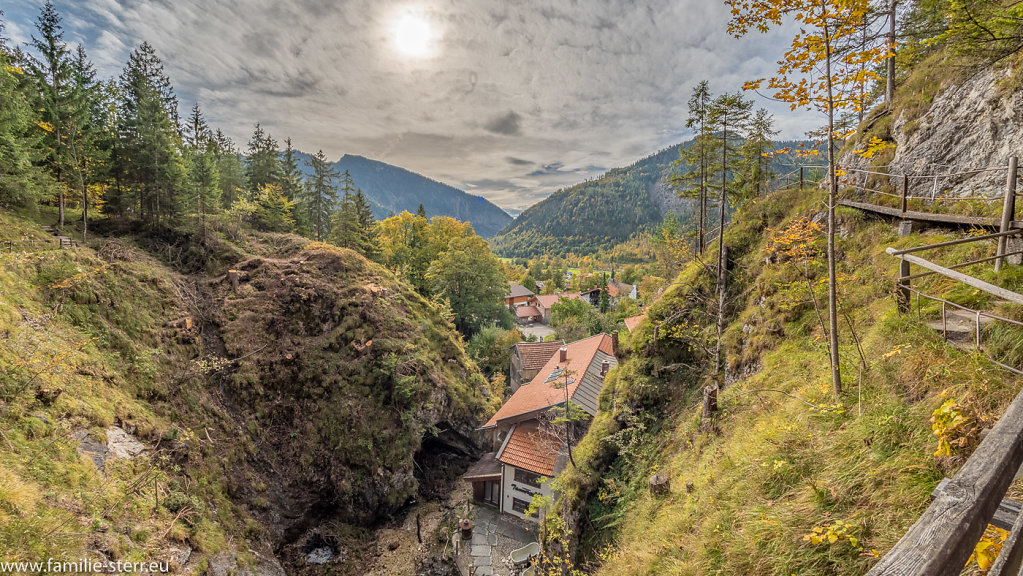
507,100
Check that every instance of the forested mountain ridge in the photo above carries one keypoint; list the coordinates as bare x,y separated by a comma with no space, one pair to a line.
595,214
392,189
600,213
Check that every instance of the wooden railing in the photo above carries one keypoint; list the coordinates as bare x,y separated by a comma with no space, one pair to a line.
942,540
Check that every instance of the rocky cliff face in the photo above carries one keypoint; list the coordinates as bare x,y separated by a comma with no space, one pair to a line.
973,124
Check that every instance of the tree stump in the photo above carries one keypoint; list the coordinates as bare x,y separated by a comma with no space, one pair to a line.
660,484
232,275
709,407
689,487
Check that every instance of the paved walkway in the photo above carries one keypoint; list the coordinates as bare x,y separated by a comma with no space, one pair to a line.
541,331
493,538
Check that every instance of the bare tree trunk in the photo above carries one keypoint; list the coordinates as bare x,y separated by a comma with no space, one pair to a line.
836,376
719,365
889,91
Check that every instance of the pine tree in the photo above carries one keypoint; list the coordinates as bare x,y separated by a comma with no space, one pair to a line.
693,183
291,183
756,169
368,226
19,178
321,193
61,103
91,134
202,162
229,169
262,162
148,155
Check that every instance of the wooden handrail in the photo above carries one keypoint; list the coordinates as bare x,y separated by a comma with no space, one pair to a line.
943,538
965,279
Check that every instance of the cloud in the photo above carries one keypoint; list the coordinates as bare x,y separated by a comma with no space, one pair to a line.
535,95
507,124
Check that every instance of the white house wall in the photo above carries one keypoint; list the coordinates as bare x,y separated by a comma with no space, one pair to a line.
509,491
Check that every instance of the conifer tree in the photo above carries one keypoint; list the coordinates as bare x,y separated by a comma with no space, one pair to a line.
321,193
148,154
229,169
61,103
262,161
202,162
19,178
291,183
693,183
755,152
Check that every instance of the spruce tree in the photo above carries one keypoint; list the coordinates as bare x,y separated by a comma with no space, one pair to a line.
262,161
148,154
693,183
291,183
19,178
60,103
201,152
321,194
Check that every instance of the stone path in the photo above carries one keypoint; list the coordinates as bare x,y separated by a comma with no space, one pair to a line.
493,538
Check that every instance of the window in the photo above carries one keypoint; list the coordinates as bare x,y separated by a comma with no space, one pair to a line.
521,506
527,477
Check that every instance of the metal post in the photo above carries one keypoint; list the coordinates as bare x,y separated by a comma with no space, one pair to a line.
978,330
1008,210
905,192
944,324
903,284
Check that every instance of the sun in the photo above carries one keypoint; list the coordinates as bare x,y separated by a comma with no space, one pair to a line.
413,35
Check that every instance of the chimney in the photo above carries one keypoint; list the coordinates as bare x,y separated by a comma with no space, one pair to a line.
604,368
614,344
563,354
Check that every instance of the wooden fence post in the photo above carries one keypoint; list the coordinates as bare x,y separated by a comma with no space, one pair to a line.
1008,210
903,284
800,178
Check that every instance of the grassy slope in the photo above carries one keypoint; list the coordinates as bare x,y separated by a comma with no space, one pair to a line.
100,326
776,467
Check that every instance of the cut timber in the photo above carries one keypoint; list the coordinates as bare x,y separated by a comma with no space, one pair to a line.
660,484
232,275
965,279
943,538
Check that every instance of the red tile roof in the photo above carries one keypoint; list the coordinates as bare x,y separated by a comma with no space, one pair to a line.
535,354
526,311
618,289
531,449
540,393
631,323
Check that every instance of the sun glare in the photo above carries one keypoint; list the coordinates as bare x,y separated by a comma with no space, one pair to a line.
413,35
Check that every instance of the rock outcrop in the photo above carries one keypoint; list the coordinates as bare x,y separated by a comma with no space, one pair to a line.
973,124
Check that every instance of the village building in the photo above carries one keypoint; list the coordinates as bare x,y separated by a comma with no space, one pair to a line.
544,303
528,449
527,358
518,295
527,314
616,291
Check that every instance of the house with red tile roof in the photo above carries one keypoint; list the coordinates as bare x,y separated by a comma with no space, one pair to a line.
544,303
527,358
528,449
